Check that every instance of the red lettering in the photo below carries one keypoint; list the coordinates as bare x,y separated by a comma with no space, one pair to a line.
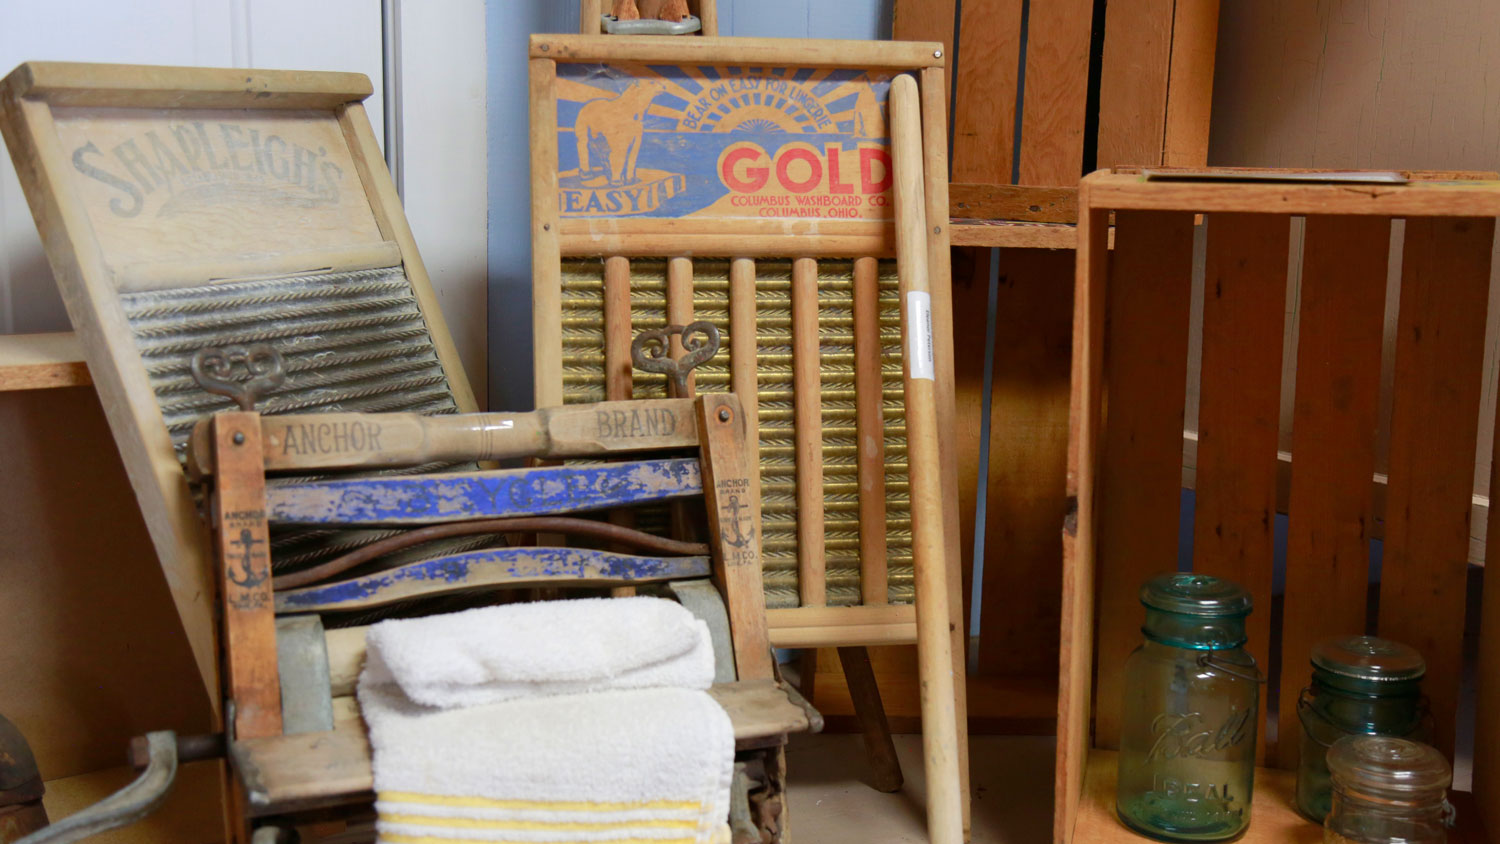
783,170
754,177
868,157
834,185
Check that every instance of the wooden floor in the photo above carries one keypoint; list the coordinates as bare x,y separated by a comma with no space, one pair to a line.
1012,788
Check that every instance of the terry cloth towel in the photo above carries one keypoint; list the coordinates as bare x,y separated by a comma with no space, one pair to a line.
562,721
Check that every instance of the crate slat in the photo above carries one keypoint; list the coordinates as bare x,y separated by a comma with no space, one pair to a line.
1133,83
1028,448
1439,359
1057,83
1141,475
984,118
1331,508
1239,411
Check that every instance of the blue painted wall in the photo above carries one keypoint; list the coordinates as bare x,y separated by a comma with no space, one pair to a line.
507,25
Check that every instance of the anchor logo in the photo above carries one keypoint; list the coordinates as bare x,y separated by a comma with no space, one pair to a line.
741,537
251,578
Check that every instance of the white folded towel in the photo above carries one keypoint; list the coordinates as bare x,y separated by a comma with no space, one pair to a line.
630,761
500,653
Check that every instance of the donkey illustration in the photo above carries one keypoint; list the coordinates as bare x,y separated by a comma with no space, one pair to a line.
618,121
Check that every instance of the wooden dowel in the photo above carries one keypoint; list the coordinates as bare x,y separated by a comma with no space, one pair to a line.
680,304
708,13
929,546
588,17
940,275
617,365
870,427
305,441
807,389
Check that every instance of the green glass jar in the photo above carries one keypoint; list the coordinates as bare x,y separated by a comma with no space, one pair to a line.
1361,685
1192,703
1387,791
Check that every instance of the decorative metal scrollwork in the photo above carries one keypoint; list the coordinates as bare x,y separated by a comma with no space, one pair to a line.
214,371
651,351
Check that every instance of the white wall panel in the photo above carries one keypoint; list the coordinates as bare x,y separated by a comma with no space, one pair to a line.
443,159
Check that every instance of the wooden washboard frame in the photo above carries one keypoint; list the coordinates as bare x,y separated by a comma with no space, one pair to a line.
769,91
146,178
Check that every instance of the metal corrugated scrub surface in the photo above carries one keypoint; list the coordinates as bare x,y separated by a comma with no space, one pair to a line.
583,381
350,341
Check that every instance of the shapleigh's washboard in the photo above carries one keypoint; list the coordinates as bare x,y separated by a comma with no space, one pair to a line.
191,207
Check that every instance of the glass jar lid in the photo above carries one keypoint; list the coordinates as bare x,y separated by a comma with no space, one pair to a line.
1202,595
1369,658
1388,767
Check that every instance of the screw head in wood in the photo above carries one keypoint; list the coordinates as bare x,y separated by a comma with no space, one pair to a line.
239,437
723,414
937,54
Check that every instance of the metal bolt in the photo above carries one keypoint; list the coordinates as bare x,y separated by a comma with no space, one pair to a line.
937,54
937,229
546,47
546,227
239,437
723,414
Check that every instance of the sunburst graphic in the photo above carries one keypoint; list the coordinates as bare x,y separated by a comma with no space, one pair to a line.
723,98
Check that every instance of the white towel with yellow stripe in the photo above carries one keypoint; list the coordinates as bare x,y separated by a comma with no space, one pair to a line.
619,763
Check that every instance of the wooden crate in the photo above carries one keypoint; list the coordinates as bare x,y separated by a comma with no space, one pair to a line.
1130,352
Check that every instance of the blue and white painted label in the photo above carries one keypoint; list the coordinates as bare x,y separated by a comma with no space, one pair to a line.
722,141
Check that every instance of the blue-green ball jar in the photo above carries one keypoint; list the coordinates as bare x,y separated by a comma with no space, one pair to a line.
1190,713
1361,685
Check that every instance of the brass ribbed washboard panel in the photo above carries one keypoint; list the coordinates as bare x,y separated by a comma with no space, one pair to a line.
351,341
583,381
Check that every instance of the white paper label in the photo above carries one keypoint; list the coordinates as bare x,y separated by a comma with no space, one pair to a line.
919,334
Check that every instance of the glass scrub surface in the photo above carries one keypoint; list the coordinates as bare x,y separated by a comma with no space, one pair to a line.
1361,685
1192,698
1387,791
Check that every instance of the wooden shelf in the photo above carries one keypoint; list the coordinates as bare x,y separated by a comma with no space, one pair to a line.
1015,234
971,232
42,361
1273,820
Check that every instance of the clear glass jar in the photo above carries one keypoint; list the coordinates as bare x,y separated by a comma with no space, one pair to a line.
1192,703
1361,685
1387,791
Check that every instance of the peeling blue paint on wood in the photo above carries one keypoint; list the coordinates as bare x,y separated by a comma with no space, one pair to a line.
475,495
491,567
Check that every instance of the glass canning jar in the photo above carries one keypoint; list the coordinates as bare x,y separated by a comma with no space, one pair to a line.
1387,791
1191,708
1361,685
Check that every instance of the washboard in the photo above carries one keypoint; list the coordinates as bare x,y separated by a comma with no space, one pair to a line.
752,183
190,207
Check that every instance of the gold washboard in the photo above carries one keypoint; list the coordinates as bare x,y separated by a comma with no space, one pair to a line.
747,182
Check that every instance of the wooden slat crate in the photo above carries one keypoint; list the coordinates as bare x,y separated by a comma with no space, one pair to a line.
1130,351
